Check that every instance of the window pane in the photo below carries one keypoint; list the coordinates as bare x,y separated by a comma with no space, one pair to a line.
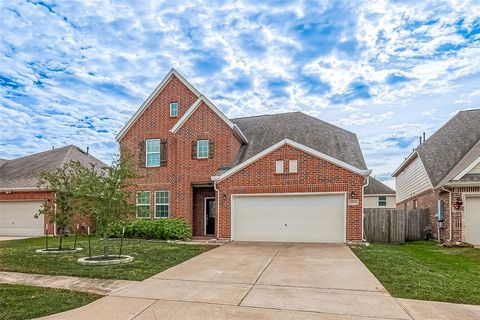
161,211
279,166
153,145
173,109
143,197
202,149
153,159
292,166
143,211
161,197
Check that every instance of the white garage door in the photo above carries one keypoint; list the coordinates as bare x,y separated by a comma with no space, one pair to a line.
289,218
472,221
17,218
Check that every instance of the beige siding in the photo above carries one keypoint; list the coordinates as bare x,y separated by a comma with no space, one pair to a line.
475,169
371,202
413,180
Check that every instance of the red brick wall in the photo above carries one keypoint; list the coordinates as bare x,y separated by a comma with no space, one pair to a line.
181,171
199,195
429,199
314,175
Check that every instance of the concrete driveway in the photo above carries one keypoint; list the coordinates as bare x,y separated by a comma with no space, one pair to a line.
254,281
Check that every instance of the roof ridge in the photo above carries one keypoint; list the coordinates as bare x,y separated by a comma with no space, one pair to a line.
38,153
267,115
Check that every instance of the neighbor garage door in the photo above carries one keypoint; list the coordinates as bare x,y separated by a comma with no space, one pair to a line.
17,218
289,218
472,221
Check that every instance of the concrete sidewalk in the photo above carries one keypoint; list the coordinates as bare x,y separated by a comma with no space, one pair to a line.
265,281
97,286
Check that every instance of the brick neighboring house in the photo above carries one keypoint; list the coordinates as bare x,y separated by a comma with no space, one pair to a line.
446,167
20,196
378,195
285,177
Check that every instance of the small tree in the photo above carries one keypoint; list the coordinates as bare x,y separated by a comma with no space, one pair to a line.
107,195
64,183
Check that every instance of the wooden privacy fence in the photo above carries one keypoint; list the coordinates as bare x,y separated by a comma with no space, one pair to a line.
394,225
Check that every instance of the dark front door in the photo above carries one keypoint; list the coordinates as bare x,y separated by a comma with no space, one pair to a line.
209,216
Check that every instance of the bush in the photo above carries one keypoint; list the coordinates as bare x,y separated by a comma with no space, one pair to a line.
163,229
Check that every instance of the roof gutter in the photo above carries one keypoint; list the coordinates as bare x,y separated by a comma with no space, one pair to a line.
22,189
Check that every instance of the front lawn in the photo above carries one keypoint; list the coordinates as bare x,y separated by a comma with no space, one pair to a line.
18,302
151,257
424,270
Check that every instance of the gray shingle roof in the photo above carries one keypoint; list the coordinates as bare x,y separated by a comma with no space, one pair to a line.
23,172
3,161
264,131
454,141
376,187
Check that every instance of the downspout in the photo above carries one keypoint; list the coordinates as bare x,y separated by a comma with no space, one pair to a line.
363,209
449,213
217,193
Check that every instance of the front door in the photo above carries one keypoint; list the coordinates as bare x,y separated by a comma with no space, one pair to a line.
209,216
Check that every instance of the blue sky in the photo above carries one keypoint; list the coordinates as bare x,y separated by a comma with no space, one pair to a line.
74,73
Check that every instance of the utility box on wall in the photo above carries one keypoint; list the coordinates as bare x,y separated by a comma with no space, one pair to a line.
441,211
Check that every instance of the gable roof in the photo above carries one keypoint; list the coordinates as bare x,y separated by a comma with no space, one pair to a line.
222,116
316,153
452,147
152,96
264,131
22,173
376,187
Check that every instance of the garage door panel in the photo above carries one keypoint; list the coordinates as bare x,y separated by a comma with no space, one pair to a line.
17,218
472,220
289,218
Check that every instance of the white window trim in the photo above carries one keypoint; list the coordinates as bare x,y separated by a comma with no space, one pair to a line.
167,204
174,115
147,153
143,205
279,166
292,166
198,149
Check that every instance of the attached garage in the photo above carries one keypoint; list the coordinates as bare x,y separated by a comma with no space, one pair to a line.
17,218
318,217
472,220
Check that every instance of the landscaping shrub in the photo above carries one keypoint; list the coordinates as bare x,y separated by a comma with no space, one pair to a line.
163,229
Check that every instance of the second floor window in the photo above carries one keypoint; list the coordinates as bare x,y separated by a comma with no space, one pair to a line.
202,149
174,109
382,201
152,152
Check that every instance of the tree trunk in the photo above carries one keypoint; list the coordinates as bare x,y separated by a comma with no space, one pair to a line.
104,244
60,243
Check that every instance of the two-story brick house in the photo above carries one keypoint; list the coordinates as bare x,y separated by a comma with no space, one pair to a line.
286,177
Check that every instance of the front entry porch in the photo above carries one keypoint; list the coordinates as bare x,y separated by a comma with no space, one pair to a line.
204,211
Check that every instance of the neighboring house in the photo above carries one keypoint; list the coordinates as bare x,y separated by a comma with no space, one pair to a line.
285,177
378,195
446,167
20,196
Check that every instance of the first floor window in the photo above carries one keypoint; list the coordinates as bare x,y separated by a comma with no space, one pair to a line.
153,152
143,204
173,109
162,203
382,201
202,149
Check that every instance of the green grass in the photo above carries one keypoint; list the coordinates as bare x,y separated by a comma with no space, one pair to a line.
27,302
151,257
425,271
